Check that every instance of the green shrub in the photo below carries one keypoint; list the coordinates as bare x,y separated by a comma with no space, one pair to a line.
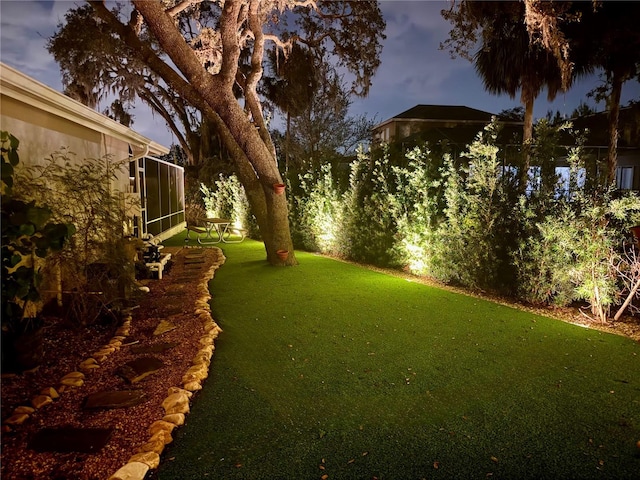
320,213
370,226
416,208
226,199
474,240
96,266
575,252
29,237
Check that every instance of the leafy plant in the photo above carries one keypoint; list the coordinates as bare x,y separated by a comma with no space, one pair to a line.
320,212
369,224
226,199
96,266
28,237
575,254
417,210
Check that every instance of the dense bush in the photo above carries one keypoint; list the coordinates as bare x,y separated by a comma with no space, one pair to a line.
226,199
320,213
369,226
95,269
465,221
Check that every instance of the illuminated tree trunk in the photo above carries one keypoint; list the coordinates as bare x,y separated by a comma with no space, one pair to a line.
614,114
247,136
527,138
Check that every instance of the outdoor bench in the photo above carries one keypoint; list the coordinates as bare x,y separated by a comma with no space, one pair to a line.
159,265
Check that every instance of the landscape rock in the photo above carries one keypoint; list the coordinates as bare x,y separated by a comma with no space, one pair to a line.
175,418
72,382
140,368
155,444
193,386
161,425
176,403
115,399
152,459
50,391
172,390
41,400
24,409
164,327
131,471
17,419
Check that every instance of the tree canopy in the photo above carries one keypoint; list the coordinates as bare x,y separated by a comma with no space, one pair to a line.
210,55
531,43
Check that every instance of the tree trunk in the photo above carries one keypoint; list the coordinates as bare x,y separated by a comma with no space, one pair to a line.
216,92
614,114
527,139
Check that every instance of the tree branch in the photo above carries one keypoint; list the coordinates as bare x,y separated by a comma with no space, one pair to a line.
176,9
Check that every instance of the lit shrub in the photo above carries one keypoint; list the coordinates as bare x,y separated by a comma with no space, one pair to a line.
227,199
415,208
472,244
575,254
369,224
320,213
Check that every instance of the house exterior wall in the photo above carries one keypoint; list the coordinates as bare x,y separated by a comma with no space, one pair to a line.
45,122
42,134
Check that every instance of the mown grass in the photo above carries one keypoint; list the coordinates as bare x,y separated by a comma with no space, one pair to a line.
332,369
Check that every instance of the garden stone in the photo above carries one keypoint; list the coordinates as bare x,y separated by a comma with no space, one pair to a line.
152,459
175,418
140,368
24,409
41,400
176,403
17,419
114,399
164,327
50,391
131,471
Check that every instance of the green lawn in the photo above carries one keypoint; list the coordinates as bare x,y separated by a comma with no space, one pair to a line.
332,369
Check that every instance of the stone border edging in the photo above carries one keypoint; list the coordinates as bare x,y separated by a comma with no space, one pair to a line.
71,380
176,404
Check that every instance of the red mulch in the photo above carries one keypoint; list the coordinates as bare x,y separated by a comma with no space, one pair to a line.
172,298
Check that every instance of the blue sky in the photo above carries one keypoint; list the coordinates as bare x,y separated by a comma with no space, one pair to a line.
413,69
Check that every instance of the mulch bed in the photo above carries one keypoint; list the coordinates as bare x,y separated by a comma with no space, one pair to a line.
171,299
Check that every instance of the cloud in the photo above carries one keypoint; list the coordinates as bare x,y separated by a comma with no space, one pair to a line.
24,31
413,69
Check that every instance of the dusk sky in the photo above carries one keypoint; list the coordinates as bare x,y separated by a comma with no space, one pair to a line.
413,70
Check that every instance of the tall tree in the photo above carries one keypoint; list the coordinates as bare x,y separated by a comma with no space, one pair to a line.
291,86
95,64
506,60
196,48
592,35
611,30
325,130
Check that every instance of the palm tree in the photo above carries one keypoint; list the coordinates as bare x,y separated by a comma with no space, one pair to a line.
508,62
607,38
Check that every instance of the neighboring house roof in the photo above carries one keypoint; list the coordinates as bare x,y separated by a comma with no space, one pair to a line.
597,125
458,113
456,124
20,87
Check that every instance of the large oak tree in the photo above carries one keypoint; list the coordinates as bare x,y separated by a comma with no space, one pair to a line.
211,54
